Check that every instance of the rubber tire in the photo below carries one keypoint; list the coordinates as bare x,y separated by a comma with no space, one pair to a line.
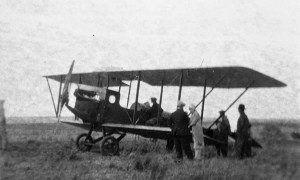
109,146
82,138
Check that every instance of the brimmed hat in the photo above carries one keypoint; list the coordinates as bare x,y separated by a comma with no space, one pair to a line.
153,98
180,103
222,112
192,106
242,107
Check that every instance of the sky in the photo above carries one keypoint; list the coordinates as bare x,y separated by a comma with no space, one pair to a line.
42,37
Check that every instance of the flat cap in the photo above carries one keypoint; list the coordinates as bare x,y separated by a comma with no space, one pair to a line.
222,112
153,98
192,106
180,103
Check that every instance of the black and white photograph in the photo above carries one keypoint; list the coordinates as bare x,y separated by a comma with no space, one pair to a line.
149,89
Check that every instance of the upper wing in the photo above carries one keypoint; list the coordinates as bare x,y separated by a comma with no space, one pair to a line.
220,77
92,79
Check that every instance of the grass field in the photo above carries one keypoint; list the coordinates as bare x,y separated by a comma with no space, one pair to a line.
47,151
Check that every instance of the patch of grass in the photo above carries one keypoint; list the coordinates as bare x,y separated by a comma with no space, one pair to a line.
35,152
142,163
158,171
138,164
271,131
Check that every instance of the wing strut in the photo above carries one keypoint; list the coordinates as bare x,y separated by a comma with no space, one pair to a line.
51,96
232,103
210,91
136,98
120,86
160,99
202,110
129,93
59,93
180,85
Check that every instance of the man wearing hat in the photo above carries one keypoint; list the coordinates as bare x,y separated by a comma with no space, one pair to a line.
242,134
197,131
221,133
179,122
155,110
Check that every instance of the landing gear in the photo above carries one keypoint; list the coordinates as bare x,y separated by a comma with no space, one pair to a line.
84,142
109,146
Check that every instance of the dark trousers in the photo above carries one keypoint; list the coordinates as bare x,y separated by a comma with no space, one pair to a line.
170,144
222,149
243,147
183,143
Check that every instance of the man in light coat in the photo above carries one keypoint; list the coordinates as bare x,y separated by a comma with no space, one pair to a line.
197,131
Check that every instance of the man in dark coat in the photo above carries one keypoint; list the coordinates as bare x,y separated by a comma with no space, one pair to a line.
242,145
154,113
155,110
179,122
221,133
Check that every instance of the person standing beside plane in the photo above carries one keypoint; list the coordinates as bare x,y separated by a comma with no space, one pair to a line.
221,133
197,131
179,122
242,144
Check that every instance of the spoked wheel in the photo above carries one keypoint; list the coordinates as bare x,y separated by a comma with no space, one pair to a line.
83,142
109,146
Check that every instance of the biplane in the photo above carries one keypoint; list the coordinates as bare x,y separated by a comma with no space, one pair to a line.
99,107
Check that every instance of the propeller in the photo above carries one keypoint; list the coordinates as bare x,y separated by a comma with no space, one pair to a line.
65,93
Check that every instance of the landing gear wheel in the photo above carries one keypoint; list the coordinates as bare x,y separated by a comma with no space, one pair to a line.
83,142
109,146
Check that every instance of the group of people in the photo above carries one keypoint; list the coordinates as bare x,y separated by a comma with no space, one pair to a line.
181,124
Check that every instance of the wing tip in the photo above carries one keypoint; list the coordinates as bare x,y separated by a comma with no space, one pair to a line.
282,84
